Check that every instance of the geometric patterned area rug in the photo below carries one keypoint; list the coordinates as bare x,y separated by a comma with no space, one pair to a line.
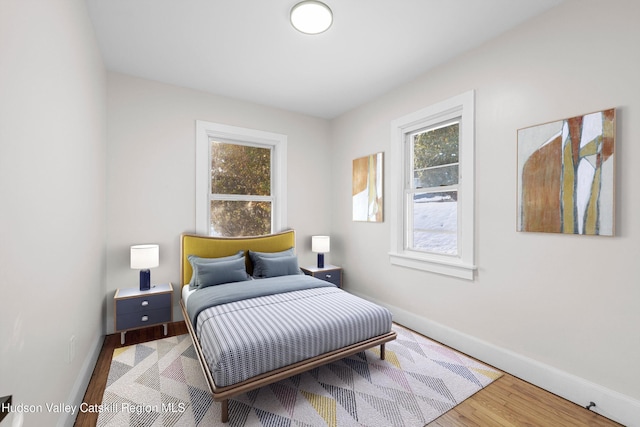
160,383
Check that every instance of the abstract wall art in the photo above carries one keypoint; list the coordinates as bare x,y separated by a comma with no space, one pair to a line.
566,175
367,190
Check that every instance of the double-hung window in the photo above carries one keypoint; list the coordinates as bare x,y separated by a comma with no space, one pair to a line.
240,181
432,156
432,188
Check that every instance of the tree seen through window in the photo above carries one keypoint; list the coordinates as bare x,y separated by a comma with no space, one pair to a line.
241,189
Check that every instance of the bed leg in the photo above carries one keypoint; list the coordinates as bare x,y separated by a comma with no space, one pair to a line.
224,406
382,351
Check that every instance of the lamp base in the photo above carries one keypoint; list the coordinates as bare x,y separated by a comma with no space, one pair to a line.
320,260
145,280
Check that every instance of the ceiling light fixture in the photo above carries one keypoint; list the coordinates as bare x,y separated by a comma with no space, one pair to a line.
311,17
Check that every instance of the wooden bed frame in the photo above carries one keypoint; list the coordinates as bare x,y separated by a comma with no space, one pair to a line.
214,247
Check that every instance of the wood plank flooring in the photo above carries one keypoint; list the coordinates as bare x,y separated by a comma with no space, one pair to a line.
507,402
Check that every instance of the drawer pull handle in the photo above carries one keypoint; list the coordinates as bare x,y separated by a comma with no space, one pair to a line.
328,276
145,303
144,318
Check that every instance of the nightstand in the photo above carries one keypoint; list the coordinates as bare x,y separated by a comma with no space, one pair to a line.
330,273
135,309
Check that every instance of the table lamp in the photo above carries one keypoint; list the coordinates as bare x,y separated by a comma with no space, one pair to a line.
320,244
144,257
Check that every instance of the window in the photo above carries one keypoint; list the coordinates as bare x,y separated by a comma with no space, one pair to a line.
240,181
432,188
432,162
241,194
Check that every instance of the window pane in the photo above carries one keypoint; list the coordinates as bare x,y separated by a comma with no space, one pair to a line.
435,177
436,147
240,169
435,222
240,218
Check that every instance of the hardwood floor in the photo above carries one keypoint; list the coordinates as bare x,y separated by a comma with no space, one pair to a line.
509,401
506,402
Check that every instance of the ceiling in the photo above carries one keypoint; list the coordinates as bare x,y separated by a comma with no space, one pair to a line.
247,49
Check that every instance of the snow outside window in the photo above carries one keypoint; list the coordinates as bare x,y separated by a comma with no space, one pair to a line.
432,164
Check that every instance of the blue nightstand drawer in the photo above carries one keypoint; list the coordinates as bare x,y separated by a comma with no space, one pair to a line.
332,276
142,319
143,303
135,309
329,273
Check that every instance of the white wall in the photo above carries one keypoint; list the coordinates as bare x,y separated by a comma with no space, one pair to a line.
151,172
561,311
52,187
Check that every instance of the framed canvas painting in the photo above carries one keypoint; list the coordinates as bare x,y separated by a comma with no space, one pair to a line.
566,175
367,189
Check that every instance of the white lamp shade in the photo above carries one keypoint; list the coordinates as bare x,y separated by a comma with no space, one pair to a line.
311,17
320,244
145,256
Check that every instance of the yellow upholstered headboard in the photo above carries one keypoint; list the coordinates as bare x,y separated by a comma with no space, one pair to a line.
216,247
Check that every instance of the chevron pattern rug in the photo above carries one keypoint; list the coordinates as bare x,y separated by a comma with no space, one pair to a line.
160,383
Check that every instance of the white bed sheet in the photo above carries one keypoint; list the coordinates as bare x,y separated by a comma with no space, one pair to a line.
186,292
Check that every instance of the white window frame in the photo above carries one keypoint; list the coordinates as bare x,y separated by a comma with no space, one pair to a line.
461,265
205,132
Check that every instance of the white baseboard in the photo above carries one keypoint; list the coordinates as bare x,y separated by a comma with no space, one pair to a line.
82,381
609,403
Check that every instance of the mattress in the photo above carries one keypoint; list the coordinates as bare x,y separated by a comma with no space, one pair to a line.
186,292
245,338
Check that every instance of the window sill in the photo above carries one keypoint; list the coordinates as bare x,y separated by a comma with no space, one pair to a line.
448,268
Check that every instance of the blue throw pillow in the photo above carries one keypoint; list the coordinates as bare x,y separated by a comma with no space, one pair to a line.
280,266
221,272
195,261
258,257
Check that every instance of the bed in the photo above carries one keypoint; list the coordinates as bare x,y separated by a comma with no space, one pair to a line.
272,323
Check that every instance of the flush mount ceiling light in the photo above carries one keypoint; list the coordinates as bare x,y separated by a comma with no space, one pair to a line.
311,17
